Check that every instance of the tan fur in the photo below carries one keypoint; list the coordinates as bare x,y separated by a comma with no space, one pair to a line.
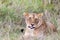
41,27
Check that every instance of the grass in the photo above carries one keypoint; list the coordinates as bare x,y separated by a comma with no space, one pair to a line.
11,17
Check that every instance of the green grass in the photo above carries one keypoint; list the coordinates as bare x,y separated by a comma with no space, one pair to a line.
11,17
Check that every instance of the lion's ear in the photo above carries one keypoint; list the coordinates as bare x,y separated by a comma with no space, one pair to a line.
25,14
40,14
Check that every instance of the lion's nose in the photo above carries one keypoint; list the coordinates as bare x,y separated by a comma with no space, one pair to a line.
32,24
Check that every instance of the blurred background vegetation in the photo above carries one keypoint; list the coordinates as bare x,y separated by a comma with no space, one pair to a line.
11,15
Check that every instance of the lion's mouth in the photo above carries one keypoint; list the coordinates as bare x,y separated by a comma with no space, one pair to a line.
31,27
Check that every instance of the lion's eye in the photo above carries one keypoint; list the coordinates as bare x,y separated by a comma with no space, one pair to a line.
36,20
29,17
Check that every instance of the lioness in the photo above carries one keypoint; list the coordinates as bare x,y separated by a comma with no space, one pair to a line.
36,26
